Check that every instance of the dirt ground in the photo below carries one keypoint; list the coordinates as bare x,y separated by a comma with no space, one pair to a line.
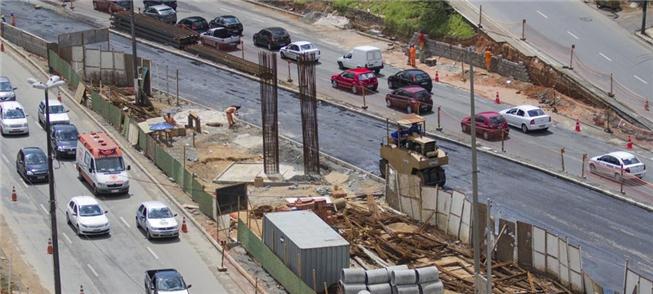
23,278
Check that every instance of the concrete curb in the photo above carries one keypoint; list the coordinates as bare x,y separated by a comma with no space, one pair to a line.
154,180
379,118
647,39
273,7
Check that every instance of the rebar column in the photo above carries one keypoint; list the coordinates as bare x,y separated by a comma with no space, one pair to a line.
308,100
269,115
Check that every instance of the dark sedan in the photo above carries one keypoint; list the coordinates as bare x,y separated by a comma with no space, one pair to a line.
230,22
194,23
32,164
64,140
413,99
410,77
272,38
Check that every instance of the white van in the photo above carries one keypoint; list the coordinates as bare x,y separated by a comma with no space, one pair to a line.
362,56
100,163
13,119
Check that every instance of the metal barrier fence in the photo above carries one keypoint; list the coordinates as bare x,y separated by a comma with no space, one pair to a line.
270,261
227,59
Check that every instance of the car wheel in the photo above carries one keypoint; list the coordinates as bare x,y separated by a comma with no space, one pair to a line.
592,168
391,85
94,189
340,66
486,135
524,128
353,89
79,233
409,109
388,103
138,225
465,129
334,84
68,219
282,55
94,5
270,46
148,235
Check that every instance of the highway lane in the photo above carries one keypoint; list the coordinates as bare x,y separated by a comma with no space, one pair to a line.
520,192
113,264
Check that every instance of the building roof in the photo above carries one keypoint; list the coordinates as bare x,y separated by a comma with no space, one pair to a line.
100,144
366,48
527,107
299,43
410,119
52,102
305,229
11,105
84,200
621,154
153,204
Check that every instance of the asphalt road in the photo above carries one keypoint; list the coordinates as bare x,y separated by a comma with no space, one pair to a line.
608,230
602,46
110,264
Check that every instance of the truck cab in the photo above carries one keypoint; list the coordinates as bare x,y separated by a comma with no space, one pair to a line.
165,281
100,162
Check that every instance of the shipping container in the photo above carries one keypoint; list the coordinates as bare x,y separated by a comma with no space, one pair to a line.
304,242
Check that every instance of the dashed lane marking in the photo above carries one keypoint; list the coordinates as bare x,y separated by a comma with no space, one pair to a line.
640,79
542,14
67,238
44,209
92,270
605,56
572,34
152,252
125,222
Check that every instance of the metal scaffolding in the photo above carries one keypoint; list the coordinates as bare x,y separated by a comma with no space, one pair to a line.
268,69
307,96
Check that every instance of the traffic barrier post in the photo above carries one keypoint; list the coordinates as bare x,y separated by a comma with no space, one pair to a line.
503,140
364,102
523,29
439,128
582,168
562,158
289,80
611,93
621,181
177,77
242,49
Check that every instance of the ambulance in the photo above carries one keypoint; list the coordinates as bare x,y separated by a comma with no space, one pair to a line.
100,163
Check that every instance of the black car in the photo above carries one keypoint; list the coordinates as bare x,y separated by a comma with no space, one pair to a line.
171,3
32,164
64,140
194,23
272,38
230,22
410,77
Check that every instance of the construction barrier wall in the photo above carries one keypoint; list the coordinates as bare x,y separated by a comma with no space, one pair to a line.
270,262
28,41
635,283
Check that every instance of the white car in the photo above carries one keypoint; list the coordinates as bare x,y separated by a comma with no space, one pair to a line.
527,117
58,114
219,38
13,119
157,220
610,165
86,215
299,48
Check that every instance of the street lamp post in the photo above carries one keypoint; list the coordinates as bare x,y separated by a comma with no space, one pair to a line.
52,82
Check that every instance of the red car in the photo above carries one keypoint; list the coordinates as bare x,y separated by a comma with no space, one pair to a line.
355,80
489,124
414,99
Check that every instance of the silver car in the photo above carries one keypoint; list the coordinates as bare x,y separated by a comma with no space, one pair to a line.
162,12
157,220
7,90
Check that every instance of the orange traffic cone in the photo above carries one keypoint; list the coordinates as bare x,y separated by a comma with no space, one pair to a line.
629,143
13,193
497,100
81,289
50,248
184,228
646,105
577,125
437,76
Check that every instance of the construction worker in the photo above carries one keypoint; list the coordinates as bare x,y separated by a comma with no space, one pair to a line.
169,119
421,40
230,112
412,55
488,58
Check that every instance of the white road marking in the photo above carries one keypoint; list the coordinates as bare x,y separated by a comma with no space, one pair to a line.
542,14
24,185
67,238
44,209
640,79
152,252
92,270
606,57
4,157
572,34
125,222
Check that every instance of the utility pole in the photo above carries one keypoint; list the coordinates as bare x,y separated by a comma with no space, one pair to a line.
476,230
139,98
644,7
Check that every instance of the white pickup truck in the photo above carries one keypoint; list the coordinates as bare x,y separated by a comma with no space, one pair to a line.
219,38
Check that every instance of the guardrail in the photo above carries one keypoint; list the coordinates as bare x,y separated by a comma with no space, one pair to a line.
227,59
152,29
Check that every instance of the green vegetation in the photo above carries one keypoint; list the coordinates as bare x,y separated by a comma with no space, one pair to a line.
404,17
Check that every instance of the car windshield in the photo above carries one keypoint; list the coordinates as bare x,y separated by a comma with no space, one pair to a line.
231,20
35,158
366,76
279,33
170,283
14,113
422,95
5,86
66,135
56,109
109,164
497,120
420,76
166,11
535,112
306,46
124,4
90,210
162,212
629,161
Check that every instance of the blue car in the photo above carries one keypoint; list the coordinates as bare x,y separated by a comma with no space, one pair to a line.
64,140
32,164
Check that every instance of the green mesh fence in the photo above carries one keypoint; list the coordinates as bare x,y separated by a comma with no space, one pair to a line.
270,262
188,181
63,69
142,139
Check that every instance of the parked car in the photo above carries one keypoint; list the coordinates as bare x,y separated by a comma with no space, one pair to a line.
229,22
7,90
32,164
13,119
64,140
356,80
611,164
413,99
527,117
165,281
112,6
58,114
410,77
86,215
272,38
157,220
162,13
194,23
363,56
170,3
489,125
296,49
219,38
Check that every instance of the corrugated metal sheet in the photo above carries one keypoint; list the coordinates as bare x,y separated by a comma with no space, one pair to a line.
304,242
